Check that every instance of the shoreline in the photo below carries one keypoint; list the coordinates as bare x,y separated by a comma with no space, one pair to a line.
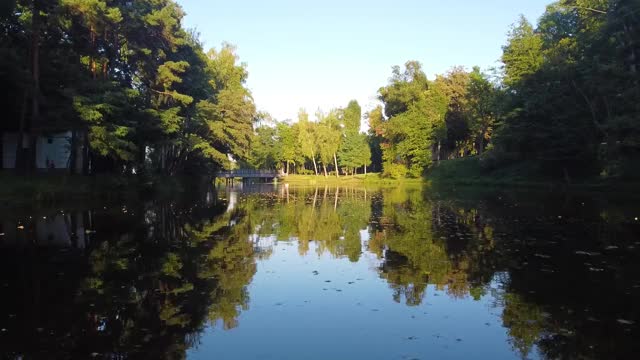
467,172
39,188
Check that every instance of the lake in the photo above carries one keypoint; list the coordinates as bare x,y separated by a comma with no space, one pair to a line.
283,272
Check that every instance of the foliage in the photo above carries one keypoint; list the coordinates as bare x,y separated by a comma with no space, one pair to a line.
130,76
332,142
571,86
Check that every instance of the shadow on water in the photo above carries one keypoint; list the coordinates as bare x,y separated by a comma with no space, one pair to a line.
147,280
128,281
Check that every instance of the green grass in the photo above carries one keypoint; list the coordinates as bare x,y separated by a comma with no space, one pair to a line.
56,187
369,179
39,188
469,172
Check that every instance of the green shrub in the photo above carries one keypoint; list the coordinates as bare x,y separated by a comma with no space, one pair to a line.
395,171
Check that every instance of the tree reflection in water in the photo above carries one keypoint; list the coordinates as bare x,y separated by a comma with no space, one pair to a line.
145,280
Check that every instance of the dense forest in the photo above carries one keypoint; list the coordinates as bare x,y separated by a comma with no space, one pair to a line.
142,96
130,77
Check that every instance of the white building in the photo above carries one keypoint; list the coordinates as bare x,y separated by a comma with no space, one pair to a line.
53,151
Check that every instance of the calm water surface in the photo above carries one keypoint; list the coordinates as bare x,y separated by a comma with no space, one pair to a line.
324,273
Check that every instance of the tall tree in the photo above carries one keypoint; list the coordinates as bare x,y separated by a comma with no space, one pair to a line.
328,134
352,116
307,138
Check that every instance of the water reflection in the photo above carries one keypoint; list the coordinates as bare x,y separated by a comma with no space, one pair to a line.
159,280
150,278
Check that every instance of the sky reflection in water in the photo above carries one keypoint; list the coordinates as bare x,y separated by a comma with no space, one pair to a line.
318,273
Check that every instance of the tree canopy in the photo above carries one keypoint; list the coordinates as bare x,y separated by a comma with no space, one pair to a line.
141,95
128,73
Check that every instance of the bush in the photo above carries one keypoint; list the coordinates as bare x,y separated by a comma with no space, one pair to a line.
306,172
416,171
395,171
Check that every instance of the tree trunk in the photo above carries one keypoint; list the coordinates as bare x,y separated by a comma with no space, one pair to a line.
628,31
438,154
287,174
19,164
35,78
324,167
315,166
73,154
335,161
85,153
365,170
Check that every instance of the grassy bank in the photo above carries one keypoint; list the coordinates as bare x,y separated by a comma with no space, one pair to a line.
469,172
360,179
57,188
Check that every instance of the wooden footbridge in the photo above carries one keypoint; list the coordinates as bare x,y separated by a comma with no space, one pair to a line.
247,174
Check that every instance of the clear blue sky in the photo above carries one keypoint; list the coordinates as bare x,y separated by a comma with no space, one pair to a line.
321,54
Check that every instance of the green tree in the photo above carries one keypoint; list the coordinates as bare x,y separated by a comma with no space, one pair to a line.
328,138
290,153
414,118
307,138
482,97
352,116
522,56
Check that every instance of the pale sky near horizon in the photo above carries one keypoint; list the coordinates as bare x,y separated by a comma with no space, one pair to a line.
321,54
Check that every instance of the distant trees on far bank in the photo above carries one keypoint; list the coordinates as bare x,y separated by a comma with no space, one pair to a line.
564,104
332,142
140,95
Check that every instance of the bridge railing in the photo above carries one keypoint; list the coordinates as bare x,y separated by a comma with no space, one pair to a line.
249,173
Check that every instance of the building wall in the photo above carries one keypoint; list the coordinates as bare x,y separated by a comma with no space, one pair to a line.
9,145
53,151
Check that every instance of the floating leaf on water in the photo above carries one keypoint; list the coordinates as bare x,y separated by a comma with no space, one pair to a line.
586,253
566,331
625,322
542,256
20,227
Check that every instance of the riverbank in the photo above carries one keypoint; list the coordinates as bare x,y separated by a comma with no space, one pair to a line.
360,179
469,172
42,188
